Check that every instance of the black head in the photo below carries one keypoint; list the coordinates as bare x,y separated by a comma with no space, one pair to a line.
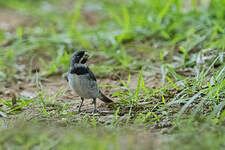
79,56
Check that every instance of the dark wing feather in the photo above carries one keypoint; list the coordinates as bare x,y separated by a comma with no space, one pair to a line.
92,76
82,69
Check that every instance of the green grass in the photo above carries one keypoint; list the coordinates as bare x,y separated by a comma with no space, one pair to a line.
172,51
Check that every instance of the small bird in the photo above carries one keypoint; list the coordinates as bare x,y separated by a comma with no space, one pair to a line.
82,81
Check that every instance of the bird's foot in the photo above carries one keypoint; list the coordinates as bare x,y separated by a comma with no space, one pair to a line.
79,110
95,111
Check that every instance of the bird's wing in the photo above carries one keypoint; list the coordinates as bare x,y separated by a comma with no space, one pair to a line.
82,69
92,76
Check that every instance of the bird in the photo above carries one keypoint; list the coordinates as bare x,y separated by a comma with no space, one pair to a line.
82,81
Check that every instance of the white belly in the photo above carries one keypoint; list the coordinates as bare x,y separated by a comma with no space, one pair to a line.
83,86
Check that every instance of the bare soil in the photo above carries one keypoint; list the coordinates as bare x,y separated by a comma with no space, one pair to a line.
10,20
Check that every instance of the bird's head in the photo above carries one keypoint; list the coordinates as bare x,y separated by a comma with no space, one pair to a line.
79,56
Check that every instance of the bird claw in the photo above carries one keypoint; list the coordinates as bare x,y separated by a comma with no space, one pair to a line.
95,111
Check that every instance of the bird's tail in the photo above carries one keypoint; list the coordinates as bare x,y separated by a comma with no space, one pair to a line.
105,99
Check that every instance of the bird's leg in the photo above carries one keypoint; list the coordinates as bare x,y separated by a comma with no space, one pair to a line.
94,101
82,100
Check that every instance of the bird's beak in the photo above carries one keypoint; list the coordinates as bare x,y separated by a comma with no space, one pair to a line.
86,55
84,58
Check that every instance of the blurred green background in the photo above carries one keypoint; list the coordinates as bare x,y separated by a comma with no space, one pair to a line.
48,31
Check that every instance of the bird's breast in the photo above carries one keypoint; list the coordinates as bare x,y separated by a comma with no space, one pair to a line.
83,86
